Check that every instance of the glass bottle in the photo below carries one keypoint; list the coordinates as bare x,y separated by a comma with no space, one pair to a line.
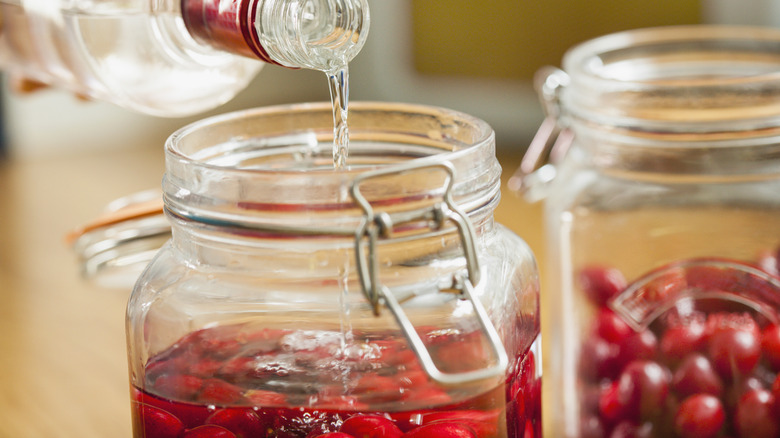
662,204
379,299
173,58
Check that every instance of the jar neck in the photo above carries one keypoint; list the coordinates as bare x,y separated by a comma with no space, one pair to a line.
316,34
257,252
715,157
263,178
685,100
678,79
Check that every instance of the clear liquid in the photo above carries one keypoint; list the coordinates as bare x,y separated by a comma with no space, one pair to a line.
339,96
116,54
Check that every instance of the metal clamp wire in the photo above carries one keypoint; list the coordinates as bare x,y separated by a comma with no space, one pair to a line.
375,225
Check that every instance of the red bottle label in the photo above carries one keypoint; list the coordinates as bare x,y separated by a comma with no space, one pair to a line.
226,25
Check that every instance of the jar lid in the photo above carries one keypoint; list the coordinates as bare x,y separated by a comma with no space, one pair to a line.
115,247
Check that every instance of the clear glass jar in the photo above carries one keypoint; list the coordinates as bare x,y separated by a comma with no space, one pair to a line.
662,195
173,58
294,299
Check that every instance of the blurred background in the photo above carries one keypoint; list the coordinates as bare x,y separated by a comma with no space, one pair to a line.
477,57
63,363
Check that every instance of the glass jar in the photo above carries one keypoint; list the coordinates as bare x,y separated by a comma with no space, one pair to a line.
659,164
295,300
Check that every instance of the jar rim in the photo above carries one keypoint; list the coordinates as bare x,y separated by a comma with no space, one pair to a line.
273,165
693,77
578,60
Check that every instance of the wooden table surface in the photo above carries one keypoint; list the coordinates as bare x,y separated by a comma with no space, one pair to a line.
63,368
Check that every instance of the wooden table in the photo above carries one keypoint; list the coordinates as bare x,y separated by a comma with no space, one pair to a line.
63,369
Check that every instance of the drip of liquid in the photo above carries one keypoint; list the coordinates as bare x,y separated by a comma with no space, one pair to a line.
339,96
350,347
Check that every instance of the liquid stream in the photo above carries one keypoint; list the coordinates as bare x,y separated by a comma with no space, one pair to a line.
339,95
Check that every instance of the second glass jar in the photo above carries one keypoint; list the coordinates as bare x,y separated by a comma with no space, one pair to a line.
663,215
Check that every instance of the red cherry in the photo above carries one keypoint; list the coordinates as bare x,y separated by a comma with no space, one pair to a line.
696,375
699,416
770,345
191,415
484,423
754,417
397,358
410,378
245,423
209,431
217,391
736,390
683,335
370,426
238,367
177,386
637,346
643,387
601,283
334,435
734,352
441,430
427,396
613,404
377,388
263,398
205,367
610,327
166,364
157,423
599,359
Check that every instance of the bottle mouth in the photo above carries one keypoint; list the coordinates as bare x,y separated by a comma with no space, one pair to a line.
273,167
318,34
679,78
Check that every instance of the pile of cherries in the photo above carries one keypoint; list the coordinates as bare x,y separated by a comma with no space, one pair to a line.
244,382
707,367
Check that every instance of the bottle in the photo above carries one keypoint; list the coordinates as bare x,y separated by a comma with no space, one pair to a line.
661,197
173,58
301,299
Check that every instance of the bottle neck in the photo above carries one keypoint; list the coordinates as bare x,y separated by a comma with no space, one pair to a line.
316,34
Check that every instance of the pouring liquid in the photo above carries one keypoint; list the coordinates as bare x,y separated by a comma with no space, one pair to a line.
338,81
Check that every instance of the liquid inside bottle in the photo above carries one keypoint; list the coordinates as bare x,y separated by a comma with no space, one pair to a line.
168,58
